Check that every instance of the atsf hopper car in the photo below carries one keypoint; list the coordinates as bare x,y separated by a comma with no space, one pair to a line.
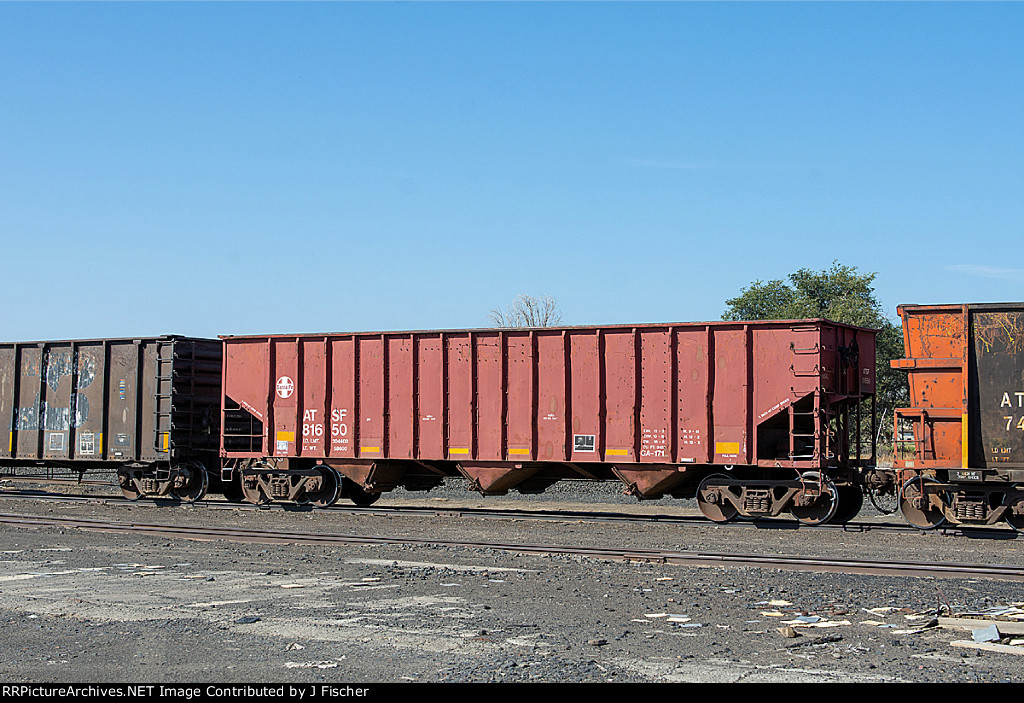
148,408
754,418
964,459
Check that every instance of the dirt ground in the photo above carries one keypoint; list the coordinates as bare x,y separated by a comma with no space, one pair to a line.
78,606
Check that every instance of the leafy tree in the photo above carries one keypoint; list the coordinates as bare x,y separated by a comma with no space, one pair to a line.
840,294
528,311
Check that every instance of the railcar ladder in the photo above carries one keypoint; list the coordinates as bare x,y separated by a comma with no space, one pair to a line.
176,363
165,396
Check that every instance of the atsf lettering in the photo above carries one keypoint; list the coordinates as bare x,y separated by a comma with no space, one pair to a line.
1013,399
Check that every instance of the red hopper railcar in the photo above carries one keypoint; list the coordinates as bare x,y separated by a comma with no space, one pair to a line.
755,418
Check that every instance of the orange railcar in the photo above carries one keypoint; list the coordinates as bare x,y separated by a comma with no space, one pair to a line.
964,458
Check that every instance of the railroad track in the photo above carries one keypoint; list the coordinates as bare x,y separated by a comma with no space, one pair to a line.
686,558
998,533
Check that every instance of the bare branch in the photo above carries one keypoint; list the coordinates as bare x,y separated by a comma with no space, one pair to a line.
528,311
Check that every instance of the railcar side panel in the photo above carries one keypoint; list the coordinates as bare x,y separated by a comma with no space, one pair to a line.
997,383
710,393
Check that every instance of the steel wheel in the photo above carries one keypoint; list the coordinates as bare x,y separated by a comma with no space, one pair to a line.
824,506
195,486
251,491
329,491
128,488
357,494
1016,519
232,490
127,485
710,501
851,499
914,508
884,499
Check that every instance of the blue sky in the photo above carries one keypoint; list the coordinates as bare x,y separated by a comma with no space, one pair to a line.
239,168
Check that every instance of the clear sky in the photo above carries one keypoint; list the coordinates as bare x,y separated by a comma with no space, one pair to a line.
240,168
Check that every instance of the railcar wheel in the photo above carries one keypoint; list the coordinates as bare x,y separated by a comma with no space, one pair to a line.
232,491
1016,519
851,499
711,502
196,484
822,508
357,494
884,499
329,491
252,492
914,506
129,490
127,485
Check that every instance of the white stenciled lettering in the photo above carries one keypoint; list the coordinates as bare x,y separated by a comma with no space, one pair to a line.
339,427
1007,402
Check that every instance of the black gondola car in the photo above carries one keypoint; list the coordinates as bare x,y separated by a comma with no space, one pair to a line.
149,408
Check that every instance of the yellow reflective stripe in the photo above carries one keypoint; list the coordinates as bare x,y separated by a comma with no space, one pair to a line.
727,447
513,450
617,452
458,450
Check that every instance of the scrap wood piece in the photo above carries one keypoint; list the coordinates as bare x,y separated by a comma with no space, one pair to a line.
815,640
1005,627
988,646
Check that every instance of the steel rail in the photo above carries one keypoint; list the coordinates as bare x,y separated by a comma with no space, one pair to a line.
998,533
786,562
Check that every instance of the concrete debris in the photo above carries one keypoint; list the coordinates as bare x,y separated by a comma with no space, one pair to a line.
788,632
806,619
986,634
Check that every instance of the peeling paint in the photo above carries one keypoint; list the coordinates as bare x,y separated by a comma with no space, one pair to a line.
56,418
80,406
28,417
86,370
58,364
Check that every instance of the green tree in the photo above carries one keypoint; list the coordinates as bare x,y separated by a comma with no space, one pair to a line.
840,294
